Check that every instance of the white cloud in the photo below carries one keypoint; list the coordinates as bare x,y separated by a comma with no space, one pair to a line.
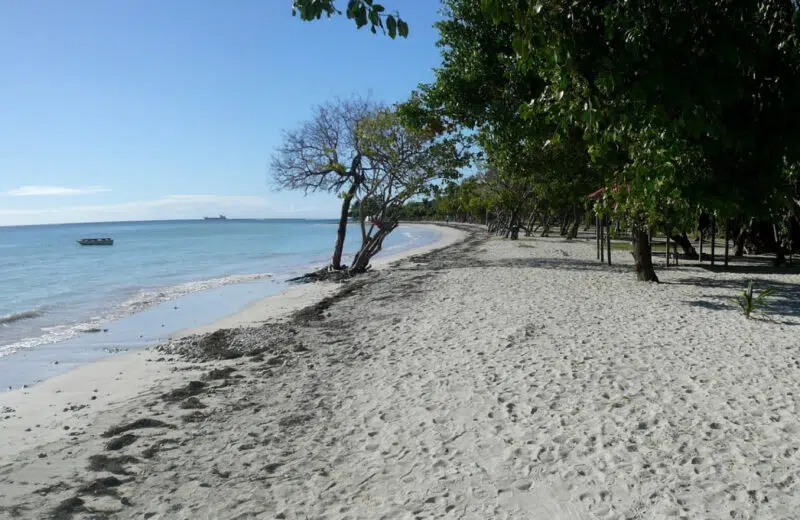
58,191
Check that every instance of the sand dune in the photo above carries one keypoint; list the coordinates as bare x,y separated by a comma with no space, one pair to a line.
493,379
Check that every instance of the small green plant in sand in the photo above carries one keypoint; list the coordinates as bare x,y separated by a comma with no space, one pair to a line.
749,302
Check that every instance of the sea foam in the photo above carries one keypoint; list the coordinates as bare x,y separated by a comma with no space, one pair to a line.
142,301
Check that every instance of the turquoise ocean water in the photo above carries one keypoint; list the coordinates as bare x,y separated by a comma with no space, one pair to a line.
157,278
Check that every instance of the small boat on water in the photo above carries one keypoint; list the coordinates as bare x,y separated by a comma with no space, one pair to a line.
96,241
221,217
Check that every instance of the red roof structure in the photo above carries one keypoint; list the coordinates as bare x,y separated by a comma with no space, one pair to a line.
598,194
595,195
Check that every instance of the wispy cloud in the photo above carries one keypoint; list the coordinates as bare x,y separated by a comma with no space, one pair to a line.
53,191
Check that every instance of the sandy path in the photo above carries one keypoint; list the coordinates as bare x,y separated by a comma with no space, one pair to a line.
493,380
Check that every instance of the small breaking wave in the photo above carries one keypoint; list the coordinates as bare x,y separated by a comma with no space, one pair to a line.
18,316
142,301
410,239
150,298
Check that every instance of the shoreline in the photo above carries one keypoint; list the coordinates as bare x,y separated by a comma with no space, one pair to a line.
491,379
296,297
44,322
205,310
42,413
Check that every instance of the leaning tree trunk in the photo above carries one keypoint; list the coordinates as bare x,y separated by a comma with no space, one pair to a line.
341,232
741,239
508,224
564,225
688,249
541,222
531,221
545,226
573,230
371,247
643,256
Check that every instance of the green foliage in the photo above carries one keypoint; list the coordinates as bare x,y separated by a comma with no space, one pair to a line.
677,108
748,302
669,104
365,206
362,12
405,162
655,101
425,209
483,87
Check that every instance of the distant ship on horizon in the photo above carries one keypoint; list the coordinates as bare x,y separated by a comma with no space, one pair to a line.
220,217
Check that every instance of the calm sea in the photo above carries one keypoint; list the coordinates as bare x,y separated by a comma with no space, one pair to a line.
52,289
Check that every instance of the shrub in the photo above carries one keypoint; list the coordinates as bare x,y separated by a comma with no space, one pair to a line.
748,302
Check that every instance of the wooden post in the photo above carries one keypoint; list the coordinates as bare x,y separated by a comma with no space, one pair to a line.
597,234
608,238
713,237
727,239
602,249
701,246
675,251
666,250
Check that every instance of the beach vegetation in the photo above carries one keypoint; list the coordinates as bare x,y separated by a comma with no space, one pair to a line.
405,162
749,302
653,107
655,103
373,159
326,153
481,89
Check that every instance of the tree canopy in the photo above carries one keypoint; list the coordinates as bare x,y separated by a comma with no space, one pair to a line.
684,107
362,12
367,154
678,109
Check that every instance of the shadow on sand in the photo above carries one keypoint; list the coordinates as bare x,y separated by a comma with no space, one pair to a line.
785,302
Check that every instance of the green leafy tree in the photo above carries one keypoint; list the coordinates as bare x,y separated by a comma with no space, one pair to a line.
482,87
699,97
405,162
362,12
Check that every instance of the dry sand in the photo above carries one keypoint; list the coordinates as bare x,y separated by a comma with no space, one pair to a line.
493,379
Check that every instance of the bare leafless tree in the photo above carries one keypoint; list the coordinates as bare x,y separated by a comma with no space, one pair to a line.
326,153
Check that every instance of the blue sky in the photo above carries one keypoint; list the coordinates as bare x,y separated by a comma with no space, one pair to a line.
127,110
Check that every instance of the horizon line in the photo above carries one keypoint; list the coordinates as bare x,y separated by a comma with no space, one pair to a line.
200,219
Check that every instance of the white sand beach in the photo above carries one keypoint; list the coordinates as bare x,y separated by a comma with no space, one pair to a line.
491,379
